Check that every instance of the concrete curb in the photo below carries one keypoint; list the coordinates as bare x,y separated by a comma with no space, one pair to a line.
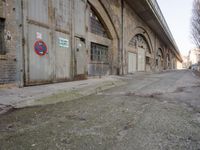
16,98
69,95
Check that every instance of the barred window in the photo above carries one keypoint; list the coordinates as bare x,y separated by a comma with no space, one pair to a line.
96,26
147,60
2,44
99,53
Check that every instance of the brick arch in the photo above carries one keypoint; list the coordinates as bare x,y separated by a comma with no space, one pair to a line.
144,33
106,21
104,17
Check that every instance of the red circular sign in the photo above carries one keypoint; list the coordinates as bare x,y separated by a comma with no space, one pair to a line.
40,48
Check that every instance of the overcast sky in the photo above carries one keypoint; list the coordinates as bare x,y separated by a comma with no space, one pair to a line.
178,14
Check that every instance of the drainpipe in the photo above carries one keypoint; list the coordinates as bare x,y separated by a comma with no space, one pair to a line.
20,44
122,37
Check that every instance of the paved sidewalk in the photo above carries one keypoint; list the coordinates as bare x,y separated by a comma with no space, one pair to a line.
31,96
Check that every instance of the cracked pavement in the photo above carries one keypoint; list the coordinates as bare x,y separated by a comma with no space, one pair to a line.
151,112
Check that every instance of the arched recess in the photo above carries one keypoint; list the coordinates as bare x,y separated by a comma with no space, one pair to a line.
143,51
168,61
139,41
103,17
160,59
144,33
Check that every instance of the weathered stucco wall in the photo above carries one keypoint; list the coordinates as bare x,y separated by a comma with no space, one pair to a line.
70,20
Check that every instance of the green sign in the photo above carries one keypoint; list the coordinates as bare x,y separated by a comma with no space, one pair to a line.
64,43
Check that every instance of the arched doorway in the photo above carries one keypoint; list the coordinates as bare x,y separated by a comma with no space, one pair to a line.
141,45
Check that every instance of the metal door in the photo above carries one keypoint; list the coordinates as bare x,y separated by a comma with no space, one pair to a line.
63,56
38,68
62,39
48,22
80,56
141,59
131,62
79,17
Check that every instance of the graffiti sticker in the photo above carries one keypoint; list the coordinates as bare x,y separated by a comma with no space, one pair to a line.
39,35
40,48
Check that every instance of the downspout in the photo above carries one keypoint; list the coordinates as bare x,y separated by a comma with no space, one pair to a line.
20,70
122,37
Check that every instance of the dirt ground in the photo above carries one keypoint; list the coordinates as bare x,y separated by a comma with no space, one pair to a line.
152,112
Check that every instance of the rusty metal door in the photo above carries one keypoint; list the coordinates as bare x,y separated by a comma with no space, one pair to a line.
38,68
80,34
80,56
47,48
62,39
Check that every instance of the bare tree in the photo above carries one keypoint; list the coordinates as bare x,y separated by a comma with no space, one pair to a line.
196,22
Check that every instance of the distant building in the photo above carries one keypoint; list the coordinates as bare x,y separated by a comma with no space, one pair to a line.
186,64
194,56
47,41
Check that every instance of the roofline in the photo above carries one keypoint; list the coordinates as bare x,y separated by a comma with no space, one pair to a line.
160,18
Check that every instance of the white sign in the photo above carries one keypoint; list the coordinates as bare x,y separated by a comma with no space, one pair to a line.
63,42
39,35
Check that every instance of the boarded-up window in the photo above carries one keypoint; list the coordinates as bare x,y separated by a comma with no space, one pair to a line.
2,44
96,26
99,53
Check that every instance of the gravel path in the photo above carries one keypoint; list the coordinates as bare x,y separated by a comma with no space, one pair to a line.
151,112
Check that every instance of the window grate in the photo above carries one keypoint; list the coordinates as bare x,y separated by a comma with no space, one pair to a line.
99,53
96,26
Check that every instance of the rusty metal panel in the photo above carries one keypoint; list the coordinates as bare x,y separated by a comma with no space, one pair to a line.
63,56
47,21
80,56
62,14
40,67
38,10
80,17
98,69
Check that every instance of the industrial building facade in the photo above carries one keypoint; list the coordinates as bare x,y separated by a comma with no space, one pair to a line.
46,41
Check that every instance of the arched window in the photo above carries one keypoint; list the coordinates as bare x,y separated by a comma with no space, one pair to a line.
139,41
96,26
99,52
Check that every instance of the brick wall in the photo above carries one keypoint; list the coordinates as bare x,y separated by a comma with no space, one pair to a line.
8,61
